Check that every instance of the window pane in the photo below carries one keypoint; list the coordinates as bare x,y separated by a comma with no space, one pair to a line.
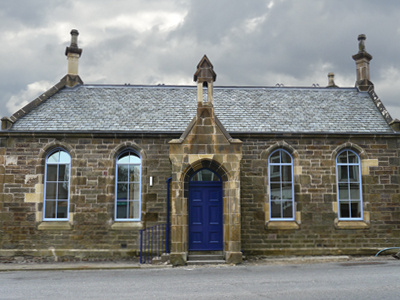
342,173
122,173
51,190
136,210
122,191
344,210
133,210
51,172
287,191
275,157
343,191
64,157
62,209
124,158
353,173
205,175
134,173
122,210
50,210
353,159
354,191
276,209
287,209
134,159
275,191
286,158
62,190
275,175
134,191
54,158
286,173
63,172
342,158
356,209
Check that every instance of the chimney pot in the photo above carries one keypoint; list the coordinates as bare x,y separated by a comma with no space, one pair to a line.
74,38
331,81
361,44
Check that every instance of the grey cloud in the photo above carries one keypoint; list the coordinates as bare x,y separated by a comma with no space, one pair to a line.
300,41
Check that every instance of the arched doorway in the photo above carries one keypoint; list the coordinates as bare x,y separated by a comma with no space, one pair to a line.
205,210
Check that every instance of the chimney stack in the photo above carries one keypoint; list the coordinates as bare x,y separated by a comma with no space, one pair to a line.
331,82
73,53
362,59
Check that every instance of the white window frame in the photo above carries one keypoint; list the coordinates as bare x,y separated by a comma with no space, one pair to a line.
270,166
348,186
45,200
135,153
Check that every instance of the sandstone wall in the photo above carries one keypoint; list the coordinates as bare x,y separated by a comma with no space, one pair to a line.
318,230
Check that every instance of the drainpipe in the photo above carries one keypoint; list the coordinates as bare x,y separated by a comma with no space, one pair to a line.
167,231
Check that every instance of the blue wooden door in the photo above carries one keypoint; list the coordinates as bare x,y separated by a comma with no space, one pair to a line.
205,216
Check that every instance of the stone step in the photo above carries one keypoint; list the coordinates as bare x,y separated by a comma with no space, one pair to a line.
205,257
158,260
205,262
206,253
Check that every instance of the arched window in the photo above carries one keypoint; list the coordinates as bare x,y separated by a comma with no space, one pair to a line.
128,186
57,181
349,189
281,192
205,175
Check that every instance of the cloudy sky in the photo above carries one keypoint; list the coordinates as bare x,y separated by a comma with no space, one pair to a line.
253,42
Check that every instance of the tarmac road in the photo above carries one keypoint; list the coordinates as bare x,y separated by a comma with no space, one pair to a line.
368,279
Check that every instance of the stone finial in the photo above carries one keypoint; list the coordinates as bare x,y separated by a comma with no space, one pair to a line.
205,76
73,53
331,81
362,59
205,71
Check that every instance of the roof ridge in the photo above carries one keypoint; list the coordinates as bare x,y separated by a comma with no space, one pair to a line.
97,85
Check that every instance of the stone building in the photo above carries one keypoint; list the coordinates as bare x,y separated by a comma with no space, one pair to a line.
253,170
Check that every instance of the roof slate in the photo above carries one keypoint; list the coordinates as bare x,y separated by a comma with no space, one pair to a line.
240,109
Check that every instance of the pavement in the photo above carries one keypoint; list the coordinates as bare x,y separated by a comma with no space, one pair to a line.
107,265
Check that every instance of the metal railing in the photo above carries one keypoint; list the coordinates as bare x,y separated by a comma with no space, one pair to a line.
154,242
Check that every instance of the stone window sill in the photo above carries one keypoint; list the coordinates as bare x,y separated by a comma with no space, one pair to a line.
55,225
351,225
288,225
127,226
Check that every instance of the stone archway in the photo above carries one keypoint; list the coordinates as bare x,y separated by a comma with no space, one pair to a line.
205,144
231,207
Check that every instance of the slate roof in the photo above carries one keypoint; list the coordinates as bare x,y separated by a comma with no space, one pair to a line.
240,109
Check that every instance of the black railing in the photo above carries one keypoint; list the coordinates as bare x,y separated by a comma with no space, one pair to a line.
154,242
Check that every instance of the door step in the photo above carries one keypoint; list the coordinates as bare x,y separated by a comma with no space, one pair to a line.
205,258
